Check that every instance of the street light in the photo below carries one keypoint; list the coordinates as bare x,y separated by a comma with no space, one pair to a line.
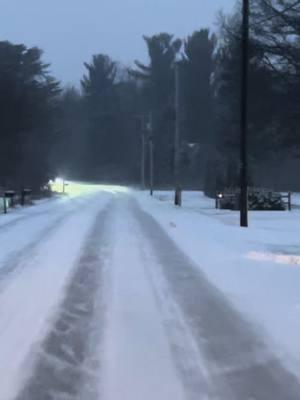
61,181
244,117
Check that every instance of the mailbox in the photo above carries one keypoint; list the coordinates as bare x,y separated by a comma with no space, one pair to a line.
8,195
25,194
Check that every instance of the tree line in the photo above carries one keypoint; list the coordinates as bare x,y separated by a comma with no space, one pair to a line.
92,131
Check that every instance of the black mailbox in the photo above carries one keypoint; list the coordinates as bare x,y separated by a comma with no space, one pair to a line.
9,194
25,194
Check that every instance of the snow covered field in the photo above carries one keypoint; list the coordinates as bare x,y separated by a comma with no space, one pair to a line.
98,302
257,268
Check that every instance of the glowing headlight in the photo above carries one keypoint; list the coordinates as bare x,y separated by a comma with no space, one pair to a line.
59,181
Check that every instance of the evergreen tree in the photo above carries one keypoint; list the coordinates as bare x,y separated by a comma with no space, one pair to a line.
158,80
198,69
27,110
111,101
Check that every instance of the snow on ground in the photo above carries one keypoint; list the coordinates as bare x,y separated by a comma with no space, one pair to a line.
296,199
101,293
18,212
257,268
137,360
38,252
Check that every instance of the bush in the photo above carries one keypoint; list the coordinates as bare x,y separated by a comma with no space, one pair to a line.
258,199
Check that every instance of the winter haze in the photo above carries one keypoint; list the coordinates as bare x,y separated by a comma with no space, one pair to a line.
71,31
149,200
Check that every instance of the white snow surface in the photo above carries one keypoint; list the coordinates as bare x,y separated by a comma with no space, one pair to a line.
40,250
257,268
135,334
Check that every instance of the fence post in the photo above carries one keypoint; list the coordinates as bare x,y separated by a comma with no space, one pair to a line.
290,201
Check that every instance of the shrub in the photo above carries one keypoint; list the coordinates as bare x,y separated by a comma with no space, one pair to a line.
258,199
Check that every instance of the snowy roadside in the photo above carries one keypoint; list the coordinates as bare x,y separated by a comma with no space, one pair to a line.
75,191
23,231
257,268
19,212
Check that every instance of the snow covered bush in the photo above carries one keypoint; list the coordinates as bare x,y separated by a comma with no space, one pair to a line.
262,199
258,199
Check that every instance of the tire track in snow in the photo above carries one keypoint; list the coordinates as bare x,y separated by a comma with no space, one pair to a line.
55,204
23,217
137,362
16,261
65,367
187,357
239,362
188,360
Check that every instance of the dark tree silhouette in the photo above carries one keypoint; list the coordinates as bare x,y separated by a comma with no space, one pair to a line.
27,109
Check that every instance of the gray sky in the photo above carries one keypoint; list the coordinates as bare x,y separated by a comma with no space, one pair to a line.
70,31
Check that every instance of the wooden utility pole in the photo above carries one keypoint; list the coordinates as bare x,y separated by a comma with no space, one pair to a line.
151,165
143,159
151,155
244,117
178,199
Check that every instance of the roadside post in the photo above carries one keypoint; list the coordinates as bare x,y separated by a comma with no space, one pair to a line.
4,204
290,201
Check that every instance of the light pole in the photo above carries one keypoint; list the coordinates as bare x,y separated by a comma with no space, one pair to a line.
178,198
244,117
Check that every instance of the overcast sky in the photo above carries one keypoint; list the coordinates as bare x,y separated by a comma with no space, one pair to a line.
70,31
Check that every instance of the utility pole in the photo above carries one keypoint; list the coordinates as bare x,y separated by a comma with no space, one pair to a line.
244,118
143,158
178,199
151,159
151,165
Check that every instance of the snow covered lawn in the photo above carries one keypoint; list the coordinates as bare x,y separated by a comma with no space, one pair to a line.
257,268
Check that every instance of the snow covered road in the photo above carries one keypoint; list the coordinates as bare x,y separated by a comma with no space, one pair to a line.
97,302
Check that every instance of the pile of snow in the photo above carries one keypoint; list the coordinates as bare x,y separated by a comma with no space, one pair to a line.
257,268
